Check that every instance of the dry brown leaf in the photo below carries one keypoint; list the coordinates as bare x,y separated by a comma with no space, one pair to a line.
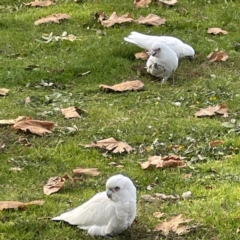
37,3
3,91
216,143
168,2
114,18
114,164
148,198
70,112
55,18
141,3
86,171
158,214
141,55
163,162
12,121
19,205
111,144
211,111
34,126
217,56
172,224
135,85
27,100
164,196
216,31
151,19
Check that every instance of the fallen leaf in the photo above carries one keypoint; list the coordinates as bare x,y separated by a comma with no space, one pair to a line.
142,3
151,19
12,121
217,56
168,2
34,126
162,162
86,171
158,214
54,184
172,224
141,55
19,205
163,196
115,18
211,111
135,85
71,112
3,91
216,31
111,144
216,143
16,169
187,195
55,18
114,164
37,3
27,100
148,198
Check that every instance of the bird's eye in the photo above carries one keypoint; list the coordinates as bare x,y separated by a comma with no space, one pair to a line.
159,49
117,189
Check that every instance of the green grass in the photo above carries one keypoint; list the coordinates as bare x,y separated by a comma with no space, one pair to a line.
138,118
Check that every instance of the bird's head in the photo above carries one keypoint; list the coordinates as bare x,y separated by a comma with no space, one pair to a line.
188,52
119,187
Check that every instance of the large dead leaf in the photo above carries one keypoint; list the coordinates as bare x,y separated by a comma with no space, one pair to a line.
217,56
86,171
173,224
163,162
125,86
141,55
141,3
12,121
37,3
216,31
19,205
71,112
115,18
3,91
111,144
55,18
167,2
151,19
34,126
54,184
211,111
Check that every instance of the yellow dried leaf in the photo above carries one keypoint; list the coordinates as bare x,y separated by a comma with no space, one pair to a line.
53,185
86,171
34,126
111,144
216,31
115,18
217,56
135,85
37,3
151,19
70,112
3,91
19,205
55,18
141,3
211,111
141,55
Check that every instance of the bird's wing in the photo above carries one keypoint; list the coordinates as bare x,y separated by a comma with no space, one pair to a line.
99,210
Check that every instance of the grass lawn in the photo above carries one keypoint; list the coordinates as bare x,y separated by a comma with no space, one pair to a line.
148,120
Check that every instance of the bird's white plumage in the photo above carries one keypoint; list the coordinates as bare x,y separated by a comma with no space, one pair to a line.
107,213
162,62
146,41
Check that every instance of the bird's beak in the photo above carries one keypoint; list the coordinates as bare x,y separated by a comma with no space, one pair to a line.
109,193
154,52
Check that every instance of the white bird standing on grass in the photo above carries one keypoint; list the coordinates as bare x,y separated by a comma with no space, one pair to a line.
107,213
182,49
162,62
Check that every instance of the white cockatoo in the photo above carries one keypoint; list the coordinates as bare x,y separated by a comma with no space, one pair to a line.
182,49
107,213
162,62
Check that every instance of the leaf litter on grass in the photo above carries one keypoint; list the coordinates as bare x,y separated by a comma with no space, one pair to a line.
19,205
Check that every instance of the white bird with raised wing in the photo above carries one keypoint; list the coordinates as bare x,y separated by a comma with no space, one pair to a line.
182,49
162,62
107,213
